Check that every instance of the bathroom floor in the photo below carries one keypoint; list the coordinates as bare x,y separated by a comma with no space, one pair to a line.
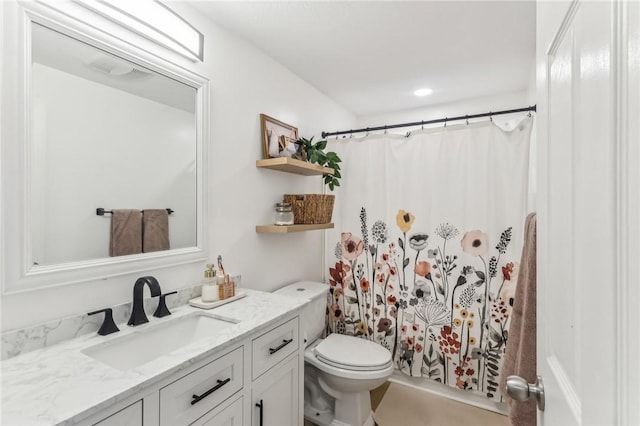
398,405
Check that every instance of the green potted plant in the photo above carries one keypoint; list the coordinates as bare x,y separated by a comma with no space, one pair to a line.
315,208
315,154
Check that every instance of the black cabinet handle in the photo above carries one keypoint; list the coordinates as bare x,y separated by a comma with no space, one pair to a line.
282,345
261,406
220,384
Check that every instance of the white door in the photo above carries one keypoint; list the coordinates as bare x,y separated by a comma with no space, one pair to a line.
587,70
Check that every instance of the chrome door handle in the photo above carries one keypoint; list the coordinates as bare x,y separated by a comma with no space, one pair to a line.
520,390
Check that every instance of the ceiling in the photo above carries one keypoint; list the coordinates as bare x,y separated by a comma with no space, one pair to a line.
370,56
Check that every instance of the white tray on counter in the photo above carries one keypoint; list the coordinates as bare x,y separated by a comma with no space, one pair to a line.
198,303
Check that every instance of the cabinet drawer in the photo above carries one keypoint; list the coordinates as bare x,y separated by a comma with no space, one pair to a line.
129,416
191,396
273,346
231,415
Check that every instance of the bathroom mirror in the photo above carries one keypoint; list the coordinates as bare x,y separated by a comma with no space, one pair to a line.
105,133
104,127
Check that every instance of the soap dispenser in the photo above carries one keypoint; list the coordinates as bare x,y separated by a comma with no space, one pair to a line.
210,285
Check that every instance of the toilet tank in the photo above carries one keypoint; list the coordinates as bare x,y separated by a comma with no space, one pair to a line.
312,317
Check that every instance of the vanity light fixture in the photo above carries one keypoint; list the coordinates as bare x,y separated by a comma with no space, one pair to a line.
423,92
153,20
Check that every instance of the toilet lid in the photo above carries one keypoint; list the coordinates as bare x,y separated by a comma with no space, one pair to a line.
352,353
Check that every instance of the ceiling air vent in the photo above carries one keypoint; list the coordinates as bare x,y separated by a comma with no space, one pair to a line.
117,68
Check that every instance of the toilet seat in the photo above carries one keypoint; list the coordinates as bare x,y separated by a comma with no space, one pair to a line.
351,353
351,367
344,371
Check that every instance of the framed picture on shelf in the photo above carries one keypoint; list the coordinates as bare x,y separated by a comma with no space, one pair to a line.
278,138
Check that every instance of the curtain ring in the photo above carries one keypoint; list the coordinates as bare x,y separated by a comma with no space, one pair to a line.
467,118
351,134
385,129
445,121
490,116
422,121
367,134
529,115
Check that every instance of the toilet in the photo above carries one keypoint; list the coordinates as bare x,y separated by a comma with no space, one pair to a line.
339,370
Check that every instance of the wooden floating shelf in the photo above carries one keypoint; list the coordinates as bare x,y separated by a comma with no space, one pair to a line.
291,165
282,229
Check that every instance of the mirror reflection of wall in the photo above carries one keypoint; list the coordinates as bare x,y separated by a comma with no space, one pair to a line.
104,133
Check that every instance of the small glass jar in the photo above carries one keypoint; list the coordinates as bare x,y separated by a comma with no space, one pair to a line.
283,215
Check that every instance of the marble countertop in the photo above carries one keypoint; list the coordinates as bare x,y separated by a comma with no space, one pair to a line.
61,385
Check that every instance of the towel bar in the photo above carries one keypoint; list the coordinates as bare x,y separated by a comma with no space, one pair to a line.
101,211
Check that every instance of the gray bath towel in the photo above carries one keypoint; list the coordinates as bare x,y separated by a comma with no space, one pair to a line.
155,230
126,232
520,354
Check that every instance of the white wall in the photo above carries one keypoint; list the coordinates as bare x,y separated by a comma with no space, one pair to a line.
244,83
125,152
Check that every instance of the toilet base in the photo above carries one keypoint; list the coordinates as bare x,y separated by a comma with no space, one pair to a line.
353,409
327,419
319,418
368,422
342,409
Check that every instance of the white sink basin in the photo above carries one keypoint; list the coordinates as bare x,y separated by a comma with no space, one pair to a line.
153,341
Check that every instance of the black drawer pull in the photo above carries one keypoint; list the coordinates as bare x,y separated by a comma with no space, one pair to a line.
282,345
261,406
220,384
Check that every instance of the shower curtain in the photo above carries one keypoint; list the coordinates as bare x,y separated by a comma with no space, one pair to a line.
424,255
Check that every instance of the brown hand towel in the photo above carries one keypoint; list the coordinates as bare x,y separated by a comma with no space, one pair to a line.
520,354
126,232
155,230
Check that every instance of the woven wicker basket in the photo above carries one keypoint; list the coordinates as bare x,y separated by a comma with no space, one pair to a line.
310,208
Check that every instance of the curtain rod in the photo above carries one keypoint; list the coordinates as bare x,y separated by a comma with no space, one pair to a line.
422,123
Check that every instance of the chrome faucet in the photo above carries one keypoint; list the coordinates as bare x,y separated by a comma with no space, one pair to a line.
138,315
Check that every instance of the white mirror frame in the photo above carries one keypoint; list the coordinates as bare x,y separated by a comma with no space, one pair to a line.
18,273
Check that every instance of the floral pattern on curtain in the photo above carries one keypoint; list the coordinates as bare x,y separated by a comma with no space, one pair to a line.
424,256
443,311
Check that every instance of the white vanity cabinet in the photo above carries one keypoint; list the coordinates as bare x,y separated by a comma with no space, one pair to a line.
191,396
276,372
128,416
276,396
229,413
225,388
